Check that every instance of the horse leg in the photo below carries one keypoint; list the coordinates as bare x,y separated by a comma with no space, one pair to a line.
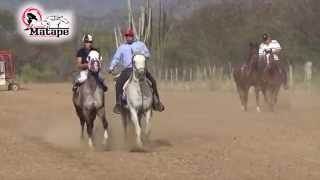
242,98
135,121
90,132
265,95
269,97
246,94
257,91
272,99
90,124
125,118
147,126
102,115
82,121
275,97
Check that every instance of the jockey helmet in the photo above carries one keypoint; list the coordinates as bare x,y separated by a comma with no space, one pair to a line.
265,36
87,38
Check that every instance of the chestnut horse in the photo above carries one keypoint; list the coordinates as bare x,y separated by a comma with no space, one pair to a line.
247,75
272,77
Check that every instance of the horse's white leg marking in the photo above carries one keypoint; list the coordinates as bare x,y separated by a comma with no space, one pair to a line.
258,109
90,143
135,121
243,108
105,136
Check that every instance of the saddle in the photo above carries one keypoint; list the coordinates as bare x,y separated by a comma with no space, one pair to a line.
77,85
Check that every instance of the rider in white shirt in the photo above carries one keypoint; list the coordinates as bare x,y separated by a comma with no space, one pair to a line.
272,47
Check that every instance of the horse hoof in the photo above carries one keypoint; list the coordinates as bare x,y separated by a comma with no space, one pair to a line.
139,145
91,143
258,109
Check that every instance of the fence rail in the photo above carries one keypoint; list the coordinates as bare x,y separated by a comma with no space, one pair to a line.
296,73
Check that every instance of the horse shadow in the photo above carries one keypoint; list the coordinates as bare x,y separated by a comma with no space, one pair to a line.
151,146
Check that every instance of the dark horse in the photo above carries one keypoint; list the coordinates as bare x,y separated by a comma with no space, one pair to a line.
88,100
247,75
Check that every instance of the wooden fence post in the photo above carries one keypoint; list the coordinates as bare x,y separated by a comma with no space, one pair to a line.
290,75
166,74
176,74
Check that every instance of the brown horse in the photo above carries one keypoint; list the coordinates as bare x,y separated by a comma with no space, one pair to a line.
272,77
247,75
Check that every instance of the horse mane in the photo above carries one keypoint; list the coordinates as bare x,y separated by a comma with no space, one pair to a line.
93,81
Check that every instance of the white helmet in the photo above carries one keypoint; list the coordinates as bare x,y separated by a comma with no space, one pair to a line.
87,38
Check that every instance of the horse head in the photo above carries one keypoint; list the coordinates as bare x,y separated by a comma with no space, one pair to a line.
94,61
253,50
139,66
253,56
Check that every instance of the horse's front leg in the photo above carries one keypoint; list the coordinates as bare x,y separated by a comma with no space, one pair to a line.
82,121
243,99
147,126
275,94
90,124
136,124
257,91
125,119
102,115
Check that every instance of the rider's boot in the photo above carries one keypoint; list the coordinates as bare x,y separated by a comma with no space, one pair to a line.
75,86
157,105
117,107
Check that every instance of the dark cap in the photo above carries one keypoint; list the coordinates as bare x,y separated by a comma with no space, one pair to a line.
265,36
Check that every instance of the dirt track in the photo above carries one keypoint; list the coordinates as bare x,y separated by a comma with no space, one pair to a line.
202,135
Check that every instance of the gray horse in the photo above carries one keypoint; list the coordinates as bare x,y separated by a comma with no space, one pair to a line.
139,97
88,100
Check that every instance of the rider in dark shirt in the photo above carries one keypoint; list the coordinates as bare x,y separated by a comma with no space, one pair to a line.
82,63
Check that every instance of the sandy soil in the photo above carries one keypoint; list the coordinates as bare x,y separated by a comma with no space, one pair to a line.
202,135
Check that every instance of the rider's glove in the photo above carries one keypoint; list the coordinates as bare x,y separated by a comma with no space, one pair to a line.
268,51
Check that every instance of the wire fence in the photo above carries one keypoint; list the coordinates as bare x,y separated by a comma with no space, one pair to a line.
215,75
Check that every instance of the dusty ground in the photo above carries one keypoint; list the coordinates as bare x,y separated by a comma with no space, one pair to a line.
202,135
